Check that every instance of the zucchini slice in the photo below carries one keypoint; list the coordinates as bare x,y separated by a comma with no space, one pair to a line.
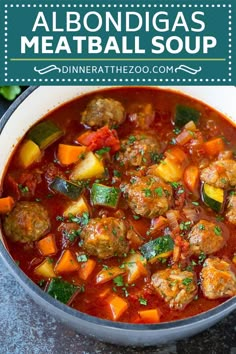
62,290
104,195
161,247
29,153
185,114
45,134
213,197
69,189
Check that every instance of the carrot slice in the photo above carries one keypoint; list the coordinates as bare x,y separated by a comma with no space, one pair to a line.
177,154
68,154
67,263
107,274
86,269
6,205
47,245
214,147
117,306
191,177
104,293
149,316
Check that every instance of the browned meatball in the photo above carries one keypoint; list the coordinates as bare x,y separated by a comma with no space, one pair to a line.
139,150
206,237
217,279
103,111
231,209
148,196
221,174
176,287
105,237
27,222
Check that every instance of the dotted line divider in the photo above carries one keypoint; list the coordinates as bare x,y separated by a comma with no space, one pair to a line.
117,6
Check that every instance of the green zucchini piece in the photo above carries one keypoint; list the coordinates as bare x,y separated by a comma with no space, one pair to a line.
61,290
185,114
158,248
45,134
104,195
213,197
69,189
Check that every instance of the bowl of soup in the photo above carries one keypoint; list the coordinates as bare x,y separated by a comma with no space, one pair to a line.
118,207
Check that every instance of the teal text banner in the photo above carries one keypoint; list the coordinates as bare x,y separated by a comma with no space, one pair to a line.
128,42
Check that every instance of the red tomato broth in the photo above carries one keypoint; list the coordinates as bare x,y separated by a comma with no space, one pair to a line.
67,117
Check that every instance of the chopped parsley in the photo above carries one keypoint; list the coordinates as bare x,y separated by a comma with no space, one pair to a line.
147,192
23,189
195,203
136,217
159,191
187,281
219,218
180,191
82,258
125,291
41,282
217,231
223,180
201,227
71,236
60,218
118,281
176,131
103,151
155,157
117,173
142,301
105,267
131,139
81,220
185,225
201,258
175,185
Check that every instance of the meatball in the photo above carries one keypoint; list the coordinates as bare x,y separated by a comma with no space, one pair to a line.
139,150
27,222
205,237
105,237
231,209
176,287
148,196
103,111
217,279
221,174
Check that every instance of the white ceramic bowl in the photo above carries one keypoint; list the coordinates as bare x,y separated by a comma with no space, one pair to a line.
32,105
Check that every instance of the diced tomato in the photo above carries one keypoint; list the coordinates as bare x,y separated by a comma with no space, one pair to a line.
30,180
103,137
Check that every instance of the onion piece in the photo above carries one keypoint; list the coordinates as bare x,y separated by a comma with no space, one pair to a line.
172,216
191,214
184,137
